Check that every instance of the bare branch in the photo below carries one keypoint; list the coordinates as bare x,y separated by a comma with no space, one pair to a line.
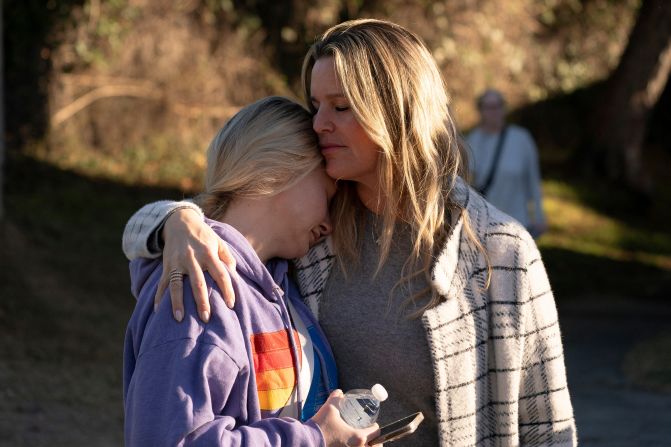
107,91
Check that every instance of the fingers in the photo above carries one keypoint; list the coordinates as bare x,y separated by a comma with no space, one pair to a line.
199,289
335,430
336,393
334,398
176,287
191,246
372,432
226,256
358,439
221,273
362,435
162,285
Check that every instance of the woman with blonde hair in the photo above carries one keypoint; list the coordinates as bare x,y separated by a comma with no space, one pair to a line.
422,286
259,374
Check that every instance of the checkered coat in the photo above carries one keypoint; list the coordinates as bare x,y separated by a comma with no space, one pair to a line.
497,354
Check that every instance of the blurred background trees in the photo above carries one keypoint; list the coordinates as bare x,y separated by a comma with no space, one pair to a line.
621,116
133,89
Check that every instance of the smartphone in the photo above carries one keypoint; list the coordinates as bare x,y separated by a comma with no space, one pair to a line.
398,429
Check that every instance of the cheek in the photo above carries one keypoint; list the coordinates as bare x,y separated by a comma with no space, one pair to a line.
330,168
368,154
318,210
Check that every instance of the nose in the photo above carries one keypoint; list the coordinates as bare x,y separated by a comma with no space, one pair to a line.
321,122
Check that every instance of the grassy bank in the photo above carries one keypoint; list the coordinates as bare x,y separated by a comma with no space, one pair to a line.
601,242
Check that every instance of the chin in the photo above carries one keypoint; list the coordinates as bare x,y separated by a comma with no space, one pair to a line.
304,251
332,170
295,254
337,172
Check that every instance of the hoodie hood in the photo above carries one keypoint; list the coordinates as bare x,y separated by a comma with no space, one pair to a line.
266,276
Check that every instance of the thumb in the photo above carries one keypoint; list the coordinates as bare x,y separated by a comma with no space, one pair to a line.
336,393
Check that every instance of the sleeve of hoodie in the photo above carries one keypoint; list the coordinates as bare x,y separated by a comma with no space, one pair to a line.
141,235
190,392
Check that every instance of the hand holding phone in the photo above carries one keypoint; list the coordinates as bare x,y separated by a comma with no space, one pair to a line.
398,429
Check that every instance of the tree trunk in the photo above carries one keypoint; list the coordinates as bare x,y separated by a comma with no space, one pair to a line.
620,119
2,118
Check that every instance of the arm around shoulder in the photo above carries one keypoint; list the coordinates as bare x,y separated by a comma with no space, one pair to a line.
141,234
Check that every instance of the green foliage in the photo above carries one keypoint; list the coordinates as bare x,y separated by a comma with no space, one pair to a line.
167,160
603,249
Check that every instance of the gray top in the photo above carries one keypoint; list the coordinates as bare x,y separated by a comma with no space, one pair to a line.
373,340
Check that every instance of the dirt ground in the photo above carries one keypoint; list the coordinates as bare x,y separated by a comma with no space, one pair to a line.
61,353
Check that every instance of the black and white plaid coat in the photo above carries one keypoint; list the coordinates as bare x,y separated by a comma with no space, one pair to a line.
497,353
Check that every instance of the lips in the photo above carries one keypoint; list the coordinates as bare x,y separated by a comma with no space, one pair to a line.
329,148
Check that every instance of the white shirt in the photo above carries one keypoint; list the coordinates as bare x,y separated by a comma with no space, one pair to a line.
515,188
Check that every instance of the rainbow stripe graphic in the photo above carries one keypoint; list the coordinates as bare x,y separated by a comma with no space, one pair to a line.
274,367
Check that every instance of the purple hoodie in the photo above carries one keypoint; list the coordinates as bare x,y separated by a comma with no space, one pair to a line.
192,383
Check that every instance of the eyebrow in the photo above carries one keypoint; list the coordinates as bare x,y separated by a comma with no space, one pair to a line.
329,96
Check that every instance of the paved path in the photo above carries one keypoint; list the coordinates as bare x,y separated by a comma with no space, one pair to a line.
610,411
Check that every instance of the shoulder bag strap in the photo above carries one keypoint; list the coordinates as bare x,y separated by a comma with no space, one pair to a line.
492,170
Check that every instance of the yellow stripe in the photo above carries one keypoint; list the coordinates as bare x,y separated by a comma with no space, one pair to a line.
275,399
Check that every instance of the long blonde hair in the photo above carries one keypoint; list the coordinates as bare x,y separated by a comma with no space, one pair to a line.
397,94
264,149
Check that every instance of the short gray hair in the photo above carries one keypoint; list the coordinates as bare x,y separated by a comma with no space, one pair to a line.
490,92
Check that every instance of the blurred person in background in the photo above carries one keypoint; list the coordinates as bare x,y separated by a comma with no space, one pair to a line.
423,286
252,374
504,164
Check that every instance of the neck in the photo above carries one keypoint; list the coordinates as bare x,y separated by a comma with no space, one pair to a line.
248,216
492,127
371,197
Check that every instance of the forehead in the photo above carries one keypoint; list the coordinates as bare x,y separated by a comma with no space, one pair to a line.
324,79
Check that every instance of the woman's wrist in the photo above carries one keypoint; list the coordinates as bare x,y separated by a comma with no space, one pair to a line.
177,220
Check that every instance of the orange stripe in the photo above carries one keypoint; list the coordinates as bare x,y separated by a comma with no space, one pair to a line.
271,350
274,399
275,379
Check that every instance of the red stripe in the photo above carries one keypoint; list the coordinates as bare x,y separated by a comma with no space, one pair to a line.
271,350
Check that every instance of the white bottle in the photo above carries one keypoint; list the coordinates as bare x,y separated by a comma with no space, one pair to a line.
360,408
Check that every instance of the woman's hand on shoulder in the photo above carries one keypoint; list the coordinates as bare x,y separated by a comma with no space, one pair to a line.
192,247
335,430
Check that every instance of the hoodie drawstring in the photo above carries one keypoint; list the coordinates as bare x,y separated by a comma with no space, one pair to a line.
286,318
